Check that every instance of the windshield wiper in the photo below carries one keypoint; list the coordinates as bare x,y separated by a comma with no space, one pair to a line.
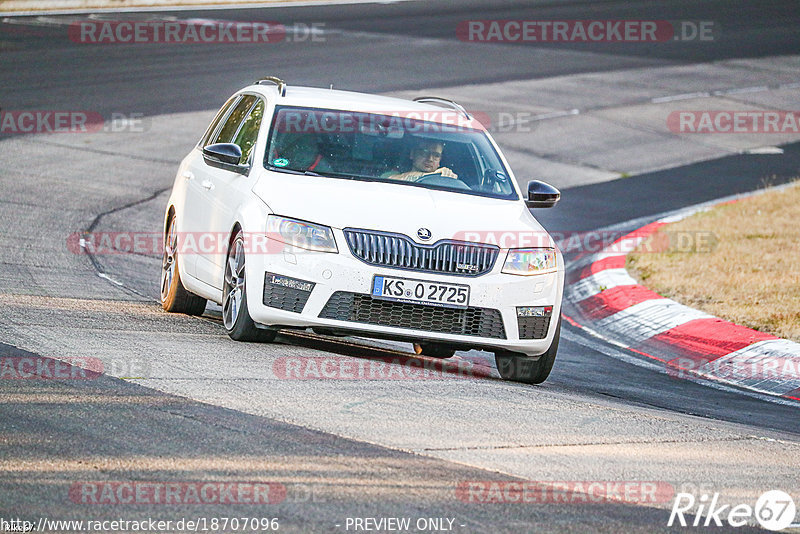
345,175
295,171
284,169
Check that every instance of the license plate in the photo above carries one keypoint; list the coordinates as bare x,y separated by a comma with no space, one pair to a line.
420,292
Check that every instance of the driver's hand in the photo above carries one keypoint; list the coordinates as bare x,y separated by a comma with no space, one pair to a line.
444,171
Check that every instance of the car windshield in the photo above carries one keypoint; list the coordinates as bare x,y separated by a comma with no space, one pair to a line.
395,147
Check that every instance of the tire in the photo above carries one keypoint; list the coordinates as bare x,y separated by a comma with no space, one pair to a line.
434,350
520,368
235,315
174,297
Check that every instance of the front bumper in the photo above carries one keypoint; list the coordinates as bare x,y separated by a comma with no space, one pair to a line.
331,292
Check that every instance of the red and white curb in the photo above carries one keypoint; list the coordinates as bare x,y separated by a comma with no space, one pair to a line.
691,344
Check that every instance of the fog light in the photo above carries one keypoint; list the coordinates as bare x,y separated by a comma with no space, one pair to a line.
534,311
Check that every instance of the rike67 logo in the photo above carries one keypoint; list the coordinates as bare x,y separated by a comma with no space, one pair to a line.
774,510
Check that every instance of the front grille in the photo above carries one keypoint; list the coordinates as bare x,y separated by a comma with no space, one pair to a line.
399,251
358,308
286,293
533,327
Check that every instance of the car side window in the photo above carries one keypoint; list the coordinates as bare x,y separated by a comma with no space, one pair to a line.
248,132
220,115
231,126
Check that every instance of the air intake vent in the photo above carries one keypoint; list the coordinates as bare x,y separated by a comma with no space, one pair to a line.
399,251
358,308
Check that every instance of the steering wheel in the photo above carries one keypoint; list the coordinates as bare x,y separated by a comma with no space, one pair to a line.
443,181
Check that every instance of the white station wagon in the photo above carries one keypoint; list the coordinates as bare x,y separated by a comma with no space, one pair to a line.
356,214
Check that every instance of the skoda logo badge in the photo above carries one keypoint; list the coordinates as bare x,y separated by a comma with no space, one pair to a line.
424,234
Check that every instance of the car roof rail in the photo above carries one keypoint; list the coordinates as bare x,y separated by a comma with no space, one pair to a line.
443,102
277,81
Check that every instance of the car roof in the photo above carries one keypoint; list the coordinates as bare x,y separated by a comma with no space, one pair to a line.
316,97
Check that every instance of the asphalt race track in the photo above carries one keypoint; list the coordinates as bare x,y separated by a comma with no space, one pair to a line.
182,404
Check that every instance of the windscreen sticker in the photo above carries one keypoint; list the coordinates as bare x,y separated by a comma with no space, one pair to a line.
280,162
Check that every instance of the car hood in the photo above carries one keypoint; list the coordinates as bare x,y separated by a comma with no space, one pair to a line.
403,209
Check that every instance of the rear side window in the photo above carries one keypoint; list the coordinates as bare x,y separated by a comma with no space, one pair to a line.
231,126
220,115
248,132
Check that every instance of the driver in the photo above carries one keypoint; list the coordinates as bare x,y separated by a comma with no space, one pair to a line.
425,158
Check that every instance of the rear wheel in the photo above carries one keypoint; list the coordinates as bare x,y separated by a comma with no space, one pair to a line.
520,368
434,350
174,297
235,316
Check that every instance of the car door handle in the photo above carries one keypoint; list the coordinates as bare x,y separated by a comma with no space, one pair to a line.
207,184
189,175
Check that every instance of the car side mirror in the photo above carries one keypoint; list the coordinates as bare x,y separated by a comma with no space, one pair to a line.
225,156
224,153
541,195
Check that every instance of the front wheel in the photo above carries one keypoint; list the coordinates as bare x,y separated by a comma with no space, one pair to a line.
520,368
174,297
235,316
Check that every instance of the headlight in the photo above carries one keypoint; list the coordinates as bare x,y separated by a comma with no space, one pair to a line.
527,261
301,234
